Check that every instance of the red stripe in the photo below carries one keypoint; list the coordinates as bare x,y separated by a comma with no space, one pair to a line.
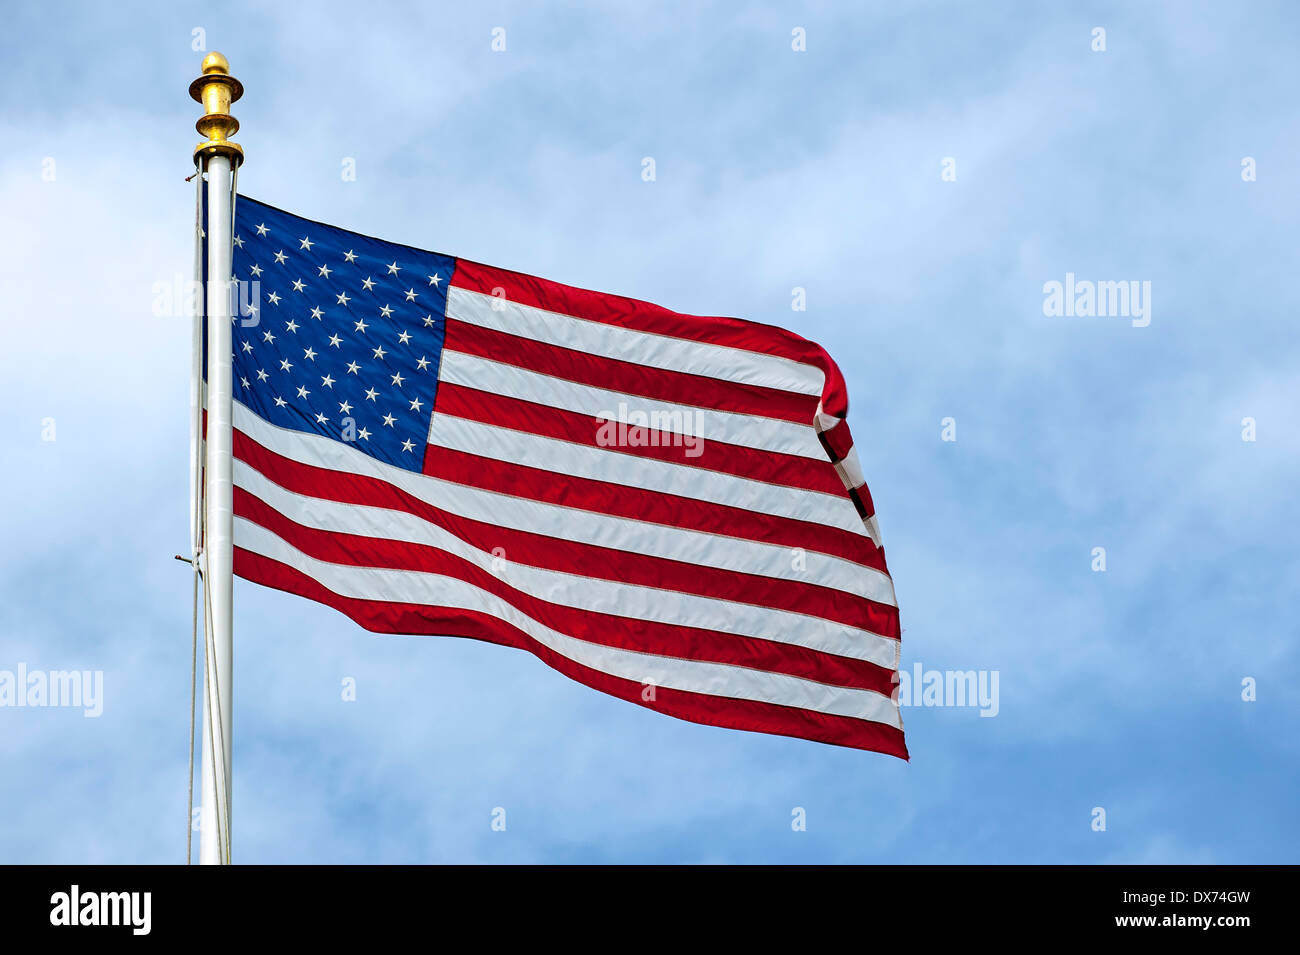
643,316
838,440
629,377
627,633
571,557
619,500
381,617
771,467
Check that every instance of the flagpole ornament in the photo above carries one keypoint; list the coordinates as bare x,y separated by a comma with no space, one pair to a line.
216,89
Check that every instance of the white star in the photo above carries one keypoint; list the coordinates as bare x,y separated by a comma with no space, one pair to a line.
323,271
404,338
434,279
335,340
261,374
280,257
428,321
353,368
410,294
302,391
280,402
361,325
305,244
262,229
345,408
256,270
386,311
408,445
239,242
343,298
285,364
367,284
309,354
274,298
416,404
267,336
248,347
398,379
371,394
292,326
389,420
423,363
298,285
316,313
364,434
349,256
394,268
244,382
327,381
380,353
321,419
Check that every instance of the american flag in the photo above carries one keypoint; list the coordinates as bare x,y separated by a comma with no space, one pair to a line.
664,507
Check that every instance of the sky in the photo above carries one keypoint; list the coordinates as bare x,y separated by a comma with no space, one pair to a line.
922,171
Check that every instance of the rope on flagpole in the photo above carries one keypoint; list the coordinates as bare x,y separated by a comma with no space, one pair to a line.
234,194
214,700
194,654
196,507
210,670
223,817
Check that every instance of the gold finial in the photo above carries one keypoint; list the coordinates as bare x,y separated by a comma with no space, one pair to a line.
215,62
216,89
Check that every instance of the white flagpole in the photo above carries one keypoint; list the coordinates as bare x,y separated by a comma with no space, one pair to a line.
216,89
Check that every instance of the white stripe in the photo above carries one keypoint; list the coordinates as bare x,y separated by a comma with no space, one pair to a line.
650,474
589,527
765,434
850,470
613,341
573,590
714,679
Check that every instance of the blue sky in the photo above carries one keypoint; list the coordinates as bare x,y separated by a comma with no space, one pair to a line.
775,169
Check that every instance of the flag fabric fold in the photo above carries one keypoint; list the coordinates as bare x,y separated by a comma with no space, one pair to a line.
664,507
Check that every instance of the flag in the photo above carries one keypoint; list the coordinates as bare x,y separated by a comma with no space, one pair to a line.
664,507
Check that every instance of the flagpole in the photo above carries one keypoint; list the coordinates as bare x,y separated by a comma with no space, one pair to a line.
216,89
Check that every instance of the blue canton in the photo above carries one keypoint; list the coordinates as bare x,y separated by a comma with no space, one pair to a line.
340,334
